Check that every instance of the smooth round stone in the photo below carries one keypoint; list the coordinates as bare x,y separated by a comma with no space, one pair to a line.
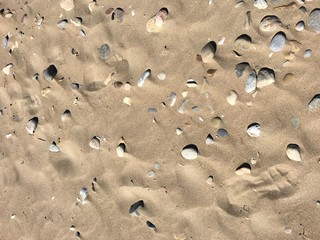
307,53
243,42
121,149
216,121
269,23
172,98
300,26
66,115
314,103
265,77
288,230
244,168
95,143
190,152
151,173
222,132
253,130
54,148
50,72
62,23
179,131
157,165
232,98
208,52
293,152
251,82
32,125
260,4
75,86
67,5
240,67
104,51
314,20
278,42
210,180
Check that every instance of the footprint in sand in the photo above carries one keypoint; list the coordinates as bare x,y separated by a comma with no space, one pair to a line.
245,192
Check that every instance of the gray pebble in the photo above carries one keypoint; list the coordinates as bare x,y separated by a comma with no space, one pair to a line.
265,77
104,51
307,53
32,125
222,132
240,67
278,42
152,110
314,103
314,20
75,86
50,72
300,26
5,42
53,147
62,23
251,82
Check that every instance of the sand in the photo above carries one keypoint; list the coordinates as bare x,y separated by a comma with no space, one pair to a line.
127,119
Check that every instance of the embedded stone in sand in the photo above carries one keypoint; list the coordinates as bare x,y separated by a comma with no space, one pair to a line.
244,168
269,23
104,51
62,23
208,51
83,194
222,133
216,121
143,77
253,130
155,24
278,42
134,207
53,147
150,225
232,98
260,4
121,149
314,20
67,5
293,152
265,77
66,115
95,142
314,103
32,125
209,139
172,99
243,42
190,152
300,26
50,72
251,82
240,67
117,15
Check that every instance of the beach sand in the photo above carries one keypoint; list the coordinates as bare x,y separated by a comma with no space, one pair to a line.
159,119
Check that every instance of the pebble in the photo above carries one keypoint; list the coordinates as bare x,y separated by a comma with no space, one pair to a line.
191,83
152,110
210,180
209,140
243,42
179,131
222,133
265,77
288,230
240,67
77,21
150,225
143,77
307,53
67,5
121,148
5,42
162,76
300,26
50,72
295,122
75,86
117,15
32,125
251,82
151,173
232,98
83,194
66,115
157,165
190,152
244,168
253,130
134,207
82,33
314,21
195,109
95,142
260,4
154,25
314,103
208,51
172,99
127,101
277,42
6,69
53,147
104,51
62,23
269,23
216,121
293,152
183,106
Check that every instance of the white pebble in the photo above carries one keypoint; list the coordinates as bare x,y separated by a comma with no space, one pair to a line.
121,149
172,99
314,103
251,82
307,53
54,148
162,76
209,140
253,130
293,152
95,142
190,152
232,98
143,77
260,4
151,173
6,69
127,101
300,26
210,180
191,83
83,194
179,131
31,125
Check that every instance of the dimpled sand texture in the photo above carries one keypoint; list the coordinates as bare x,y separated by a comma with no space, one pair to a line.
140,120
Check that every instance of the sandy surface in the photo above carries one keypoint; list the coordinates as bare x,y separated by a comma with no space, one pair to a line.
79,148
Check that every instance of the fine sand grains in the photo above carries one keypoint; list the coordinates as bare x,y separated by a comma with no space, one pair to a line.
183,120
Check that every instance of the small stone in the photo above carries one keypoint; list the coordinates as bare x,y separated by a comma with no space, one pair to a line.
269,23
127,101
183,106
121,149
300,26
190,152
208,51
67,5
77,21
314,103
62,23
244,168
240,67
50,72
265,77
104,51
162,76
143,77
157,165
195,109
210,180
172,99
82,33
155,24
216,121
251,82
222,133
288,230
191,83
95,142
150,225
294,122
83,194
66,115
75,86
314,20
209,140
307,53
53,147
253,130
6,69
243,42
232,98
293,152
277,42
134,207
5,42
179,131
117,15
151,173
260,4
32,125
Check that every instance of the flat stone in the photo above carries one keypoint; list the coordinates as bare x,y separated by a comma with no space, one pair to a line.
314,20
232,98
62,23
251,82
293,152
260,4
95,142
300,26
278,42
253,130
240,68
54,148
314,103
265,77
190,152
269,23
50,72
32,125
307,53
104,51
121,150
